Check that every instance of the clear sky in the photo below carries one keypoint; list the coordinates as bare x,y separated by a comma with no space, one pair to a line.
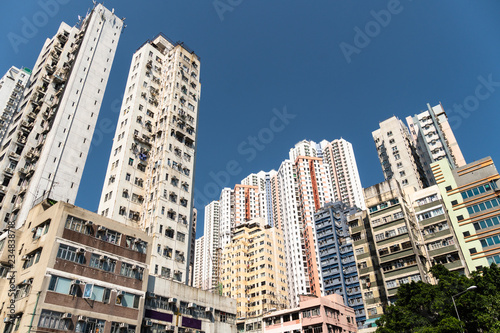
276,72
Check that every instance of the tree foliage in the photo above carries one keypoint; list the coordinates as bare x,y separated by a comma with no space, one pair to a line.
426,308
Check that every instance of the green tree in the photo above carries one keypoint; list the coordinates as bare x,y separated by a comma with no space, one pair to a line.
426,308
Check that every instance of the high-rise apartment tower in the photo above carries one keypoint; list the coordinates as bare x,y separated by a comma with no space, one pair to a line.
150,174
47,142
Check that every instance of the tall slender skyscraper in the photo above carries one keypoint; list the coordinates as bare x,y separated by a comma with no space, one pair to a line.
346,184
210,275
150,176
226,223
47,142
199,258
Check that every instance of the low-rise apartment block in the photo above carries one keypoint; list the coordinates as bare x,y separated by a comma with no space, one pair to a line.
315,314
73,270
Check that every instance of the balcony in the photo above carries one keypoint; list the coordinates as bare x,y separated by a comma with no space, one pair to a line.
14,156
21,139
142,139
55,55
58,78
40,142
46,128
8,171
50,69
23,188
27,124
35,100
60,91
17,205
31,116
62,37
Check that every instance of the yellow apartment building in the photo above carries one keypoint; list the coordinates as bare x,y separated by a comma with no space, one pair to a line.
253,269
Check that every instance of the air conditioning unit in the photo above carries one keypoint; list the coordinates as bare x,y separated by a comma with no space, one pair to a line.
148,323
191,305
123,325
101,228
82,318
67,315
172,300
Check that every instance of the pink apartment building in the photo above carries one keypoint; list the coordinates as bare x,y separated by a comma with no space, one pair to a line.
326,314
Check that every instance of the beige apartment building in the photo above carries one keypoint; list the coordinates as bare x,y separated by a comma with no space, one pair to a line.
253,269
73,270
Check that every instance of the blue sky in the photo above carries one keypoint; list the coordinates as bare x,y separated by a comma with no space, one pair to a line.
276,72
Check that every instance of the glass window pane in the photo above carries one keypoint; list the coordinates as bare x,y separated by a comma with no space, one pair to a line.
98,293
63,285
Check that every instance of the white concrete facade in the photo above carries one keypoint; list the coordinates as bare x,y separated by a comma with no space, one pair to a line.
150,176
12,86
398,156
48,140
211,246
226,223
346,183
292,226
199,258
434,139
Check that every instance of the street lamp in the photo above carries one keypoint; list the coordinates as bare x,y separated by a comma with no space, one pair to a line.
453,300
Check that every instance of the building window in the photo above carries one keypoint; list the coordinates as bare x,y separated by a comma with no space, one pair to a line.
115,328
483,206
131,271
181,237
102,262
77,224
60,285
127,300
110,236
90,325
136,244
53,320
70,253
32,258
